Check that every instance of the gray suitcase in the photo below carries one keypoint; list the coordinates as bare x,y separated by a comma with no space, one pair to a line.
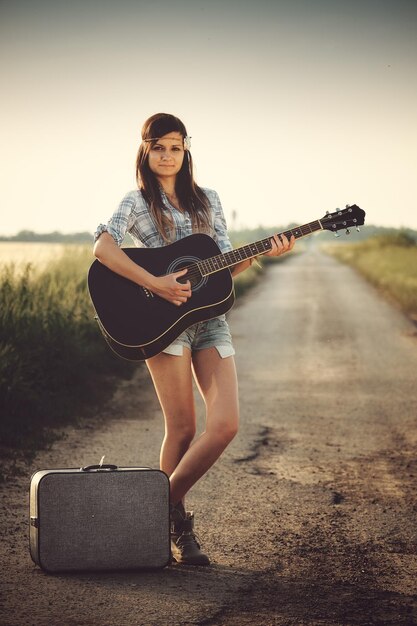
99,517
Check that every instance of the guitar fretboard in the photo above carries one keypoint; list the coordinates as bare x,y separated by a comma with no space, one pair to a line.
228,259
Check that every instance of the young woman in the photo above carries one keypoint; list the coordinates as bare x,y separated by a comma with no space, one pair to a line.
167,206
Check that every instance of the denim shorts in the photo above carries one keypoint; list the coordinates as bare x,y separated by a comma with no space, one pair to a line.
212,333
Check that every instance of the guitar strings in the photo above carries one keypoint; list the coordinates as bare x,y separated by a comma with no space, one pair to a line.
194,272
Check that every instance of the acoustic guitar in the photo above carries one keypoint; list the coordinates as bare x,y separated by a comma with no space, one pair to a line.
137,324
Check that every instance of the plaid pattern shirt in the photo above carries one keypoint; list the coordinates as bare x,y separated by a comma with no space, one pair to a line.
133,216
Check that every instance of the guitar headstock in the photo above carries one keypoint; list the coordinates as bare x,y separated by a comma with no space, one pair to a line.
351,216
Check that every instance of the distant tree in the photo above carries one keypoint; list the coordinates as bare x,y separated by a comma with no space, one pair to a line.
53,237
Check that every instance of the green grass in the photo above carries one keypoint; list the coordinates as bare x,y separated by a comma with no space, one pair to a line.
390,263
53,360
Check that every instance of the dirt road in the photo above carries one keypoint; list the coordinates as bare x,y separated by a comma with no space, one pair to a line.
309,517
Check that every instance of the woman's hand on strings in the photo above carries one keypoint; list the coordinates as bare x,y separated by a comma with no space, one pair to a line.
168,288
280,245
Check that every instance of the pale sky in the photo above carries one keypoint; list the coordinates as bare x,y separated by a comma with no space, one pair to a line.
295,107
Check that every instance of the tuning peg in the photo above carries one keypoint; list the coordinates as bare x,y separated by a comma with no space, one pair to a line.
336,235
347,231
358,229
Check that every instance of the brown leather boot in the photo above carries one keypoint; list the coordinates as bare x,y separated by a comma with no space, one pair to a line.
184,545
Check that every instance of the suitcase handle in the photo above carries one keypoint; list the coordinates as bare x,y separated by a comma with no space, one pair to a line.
88,468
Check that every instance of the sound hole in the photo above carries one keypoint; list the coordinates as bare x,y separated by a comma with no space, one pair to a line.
193,275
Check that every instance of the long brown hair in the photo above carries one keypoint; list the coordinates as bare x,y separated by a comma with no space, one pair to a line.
191,197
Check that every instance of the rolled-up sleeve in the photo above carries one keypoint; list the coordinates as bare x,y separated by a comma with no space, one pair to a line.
220,226
120,221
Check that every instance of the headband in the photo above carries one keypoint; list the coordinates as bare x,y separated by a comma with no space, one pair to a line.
187,141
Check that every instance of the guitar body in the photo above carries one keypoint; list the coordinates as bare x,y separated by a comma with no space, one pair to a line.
136,323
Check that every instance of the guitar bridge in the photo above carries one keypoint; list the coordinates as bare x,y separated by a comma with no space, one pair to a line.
148,293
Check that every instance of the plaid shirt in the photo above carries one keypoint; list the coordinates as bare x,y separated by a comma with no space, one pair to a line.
133,216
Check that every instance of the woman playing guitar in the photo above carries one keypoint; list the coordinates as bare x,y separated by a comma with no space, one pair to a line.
167,206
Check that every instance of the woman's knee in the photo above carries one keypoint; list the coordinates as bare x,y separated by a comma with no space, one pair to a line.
182,432
226,431
231,430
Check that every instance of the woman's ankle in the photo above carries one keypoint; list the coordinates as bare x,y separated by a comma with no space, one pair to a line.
177,509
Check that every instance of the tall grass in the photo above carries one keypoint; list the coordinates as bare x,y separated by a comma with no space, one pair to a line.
53,360
390,263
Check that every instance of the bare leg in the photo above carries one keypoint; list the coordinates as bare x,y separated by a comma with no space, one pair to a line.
172,378
217,382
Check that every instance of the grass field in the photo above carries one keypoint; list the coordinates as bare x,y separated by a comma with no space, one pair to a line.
390,263
53,360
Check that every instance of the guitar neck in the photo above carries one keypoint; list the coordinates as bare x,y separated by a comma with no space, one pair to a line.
228,259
